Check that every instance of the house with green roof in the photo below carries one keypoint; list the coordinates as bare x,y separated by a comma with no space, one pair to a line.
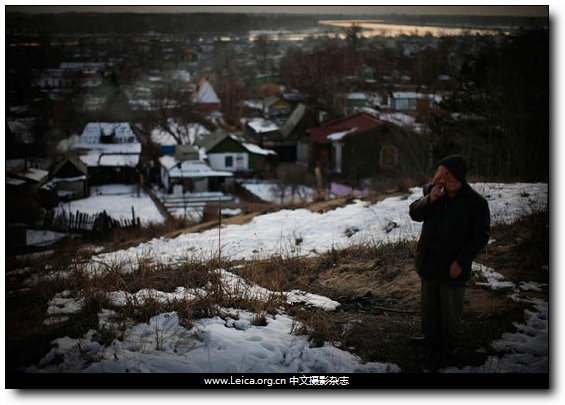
231,152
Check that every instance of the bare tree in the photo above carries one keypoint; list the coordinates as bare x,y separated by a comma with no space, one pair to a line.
353,35
173,111
291,179
318,73
231,91
263,47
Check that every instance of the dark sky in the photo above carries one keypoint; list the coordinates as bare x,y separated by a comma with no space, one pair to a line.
540,11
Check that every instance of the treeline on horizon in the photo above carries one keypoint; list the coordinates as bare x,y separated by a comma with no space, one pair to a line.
129,23
214,23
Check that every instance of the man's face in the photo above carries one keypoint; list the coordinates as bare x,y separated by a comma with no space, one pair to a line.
444,178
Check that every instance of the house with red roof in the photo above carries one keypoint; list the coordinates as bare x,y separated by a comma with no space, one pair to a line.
357,147
205,99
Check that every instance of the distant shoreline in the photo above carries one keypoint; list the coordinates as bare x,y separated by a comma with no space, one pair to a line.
459,23
215,23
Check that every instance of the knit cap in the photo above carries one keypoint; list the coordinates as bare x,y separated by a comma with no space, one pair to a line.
457,165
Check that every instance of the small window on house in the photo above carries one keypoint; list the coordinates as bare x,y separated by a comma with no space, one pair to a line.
229,161
388,157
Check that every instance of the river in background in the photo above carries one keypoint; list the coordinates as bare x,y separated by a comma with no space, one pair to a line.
372,28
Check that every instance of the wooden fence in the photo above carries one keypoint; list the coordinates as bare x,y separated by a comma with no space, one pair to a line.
86,223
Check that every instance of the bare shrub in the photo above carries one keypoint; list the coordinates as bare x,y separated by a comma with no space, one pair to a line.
320,327
290,179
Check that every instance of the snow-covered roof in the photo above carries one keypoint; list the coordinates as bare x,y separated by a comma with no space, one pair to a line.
416,95
337,136
94,130
116,160
14,182
67,179
253,148
206,94
254,104
124,152
261,125
209,141
292,121
167,161
405,94
356,96
398,118
214,139
190,168
114,154
30,174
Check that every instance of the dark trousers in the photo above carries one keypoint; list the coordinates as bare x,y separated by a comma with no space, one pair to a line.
442,308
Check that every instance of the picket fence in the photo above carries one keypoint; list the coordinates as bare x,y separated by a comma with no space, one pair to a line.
99,223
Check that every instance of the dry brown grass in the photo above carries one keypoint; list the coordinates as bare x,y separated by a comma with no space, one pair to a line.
374,282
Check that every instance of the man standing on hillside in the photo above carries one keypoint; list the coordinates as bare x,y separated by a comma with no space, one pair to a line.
456,228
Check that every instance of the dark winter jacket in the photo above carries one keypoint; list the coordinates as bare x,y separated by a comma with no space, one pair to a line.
454,229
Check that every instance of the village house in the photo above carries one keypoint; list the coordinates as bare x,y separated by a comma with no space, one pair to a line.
205,99
412,101
111,151
193,176
265,79
27,193
233,153
356,99
187,134
261,130
69,76
140,94
292,146
25,180
288,140
69,177
293,96
356,147
251,108
276,108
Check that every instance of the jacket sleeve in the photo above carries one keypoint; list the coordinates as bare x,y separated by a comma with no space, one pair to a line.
422,207
480,234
